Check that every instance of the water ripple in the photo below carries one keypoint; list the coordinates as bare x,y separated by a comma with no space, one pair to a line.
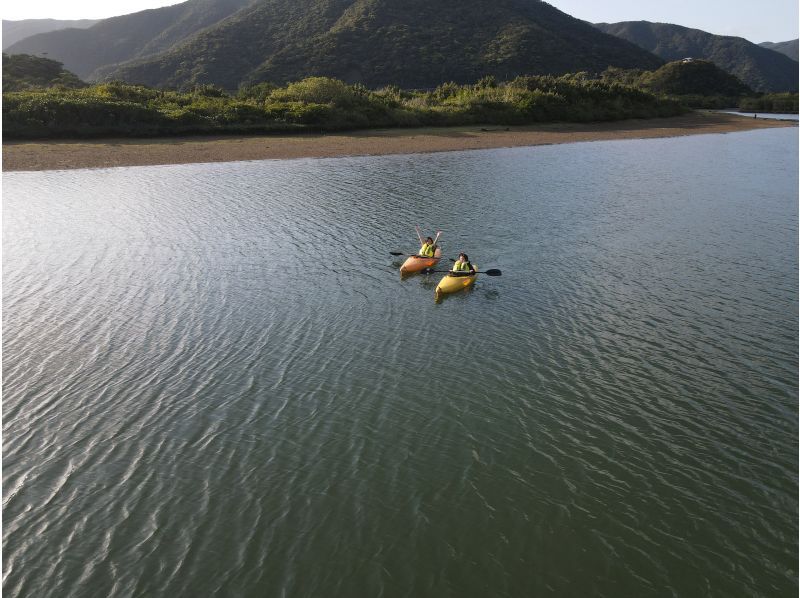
216,383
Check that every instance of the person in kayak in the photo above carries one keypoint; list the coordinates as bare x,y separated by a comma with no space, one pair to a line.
463,267
428,248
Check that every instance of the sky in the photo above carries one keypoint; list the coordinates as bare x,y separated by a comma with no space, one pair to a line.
765,20
761,21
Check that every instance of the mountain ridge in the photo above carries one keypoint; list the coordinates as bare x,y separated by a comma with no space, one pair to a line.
788,48
413,43
122,38
761,69
16,30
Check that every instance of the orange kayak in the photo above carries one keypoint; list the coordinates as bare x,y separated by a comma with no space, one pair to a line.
416,263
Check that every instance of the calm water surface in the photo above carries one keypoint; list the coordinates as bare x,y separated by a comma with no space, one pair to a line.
216,384
767,115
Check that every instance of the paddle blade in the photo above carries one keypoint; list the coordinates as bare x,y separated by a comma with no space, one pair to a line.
492,272
396,253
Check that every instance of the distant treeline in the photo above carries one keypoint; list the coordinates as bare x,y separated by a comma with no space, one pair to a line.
785,103
320,104
701,84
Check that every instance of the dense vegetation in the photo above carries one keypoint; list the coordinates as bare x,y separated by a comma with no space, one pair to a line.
696,83
693,77
319,103
759,68
700,84
22,72
785,103
411,43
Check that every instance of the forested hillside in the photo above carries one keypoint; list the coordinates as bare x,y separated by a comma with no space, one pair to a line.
411,43
759,68
695,77
123,38
696,83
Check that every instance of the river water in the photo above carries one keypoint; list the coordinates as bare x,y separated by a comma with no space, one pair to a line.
766,115
216,384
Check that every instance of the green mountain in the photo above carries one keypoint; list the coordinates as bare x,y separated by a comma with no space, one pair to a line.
123,38
23,72
788,48
13,31
693,77
760,68
412,43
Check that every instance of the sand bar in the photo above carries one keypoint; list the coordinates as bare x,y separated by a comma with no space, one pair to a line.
104,153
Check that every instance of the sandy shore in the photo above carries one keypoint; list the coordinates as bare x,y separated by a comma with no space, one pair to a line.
103,153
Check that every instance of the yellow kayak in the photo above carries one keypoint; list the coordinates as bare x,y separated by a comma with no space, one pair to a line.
451,284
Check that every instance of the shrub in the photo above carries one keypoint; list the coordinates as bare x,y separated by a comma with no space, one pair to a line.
209,91
318,90
321,103
258,91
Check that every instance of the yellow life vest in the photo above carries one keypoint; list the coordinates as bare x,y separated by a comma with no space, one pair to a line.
427,250
462,266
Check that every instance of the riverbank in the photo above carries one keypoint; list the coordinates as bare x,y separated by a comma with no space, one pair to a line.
104,153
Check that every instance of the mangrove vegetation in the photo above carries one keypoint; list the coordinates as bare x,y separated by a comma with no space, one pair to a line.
319,104
43,100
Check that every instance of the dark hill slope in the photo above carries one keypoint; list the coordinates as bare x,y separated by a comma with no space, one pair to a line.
760,68
696,77
124,38
22,72
412,43
13,31
787,48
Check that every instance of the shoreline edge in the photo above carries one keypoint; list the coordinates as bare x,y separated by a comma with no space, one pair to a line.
108,153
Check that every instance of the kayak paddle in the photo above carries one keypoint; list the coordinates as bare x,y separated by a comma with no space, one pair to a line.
411,255
490,272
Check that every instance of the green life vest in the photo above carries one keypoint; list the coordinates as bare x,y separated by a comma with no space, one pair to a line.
427,250
462,267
